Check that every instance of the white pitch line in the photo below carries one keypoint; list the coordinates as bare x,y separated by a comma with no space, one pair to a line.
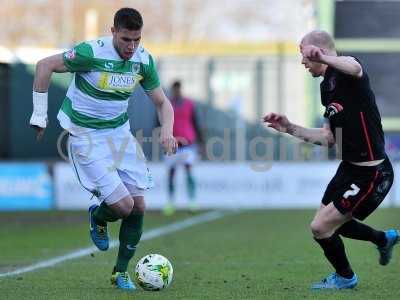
148,235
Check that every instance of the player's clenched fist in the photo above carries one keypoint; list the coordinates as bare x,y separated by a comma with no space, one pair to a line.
312,53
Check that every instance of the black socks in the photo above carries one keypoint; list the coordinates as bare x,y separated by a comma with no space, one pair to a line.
334,251
358,231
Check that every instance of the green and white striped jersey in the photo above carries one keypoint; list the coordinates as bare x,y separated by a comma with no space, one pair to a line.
98,95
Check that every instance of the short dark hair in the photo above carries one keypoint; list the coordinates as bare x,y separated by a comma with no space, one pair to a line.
176,84
128,18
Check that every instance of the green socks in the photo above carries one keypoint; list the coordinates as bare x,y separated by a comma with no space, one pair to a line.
171,189
191,186
129,233
129,236
104,214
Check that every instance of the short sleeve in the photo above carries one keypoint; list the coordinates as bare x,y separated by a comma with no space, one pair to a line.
150,76
364,76
79,58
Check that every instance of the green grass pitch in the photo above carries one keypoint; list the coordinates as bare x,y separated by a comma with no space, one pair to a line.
265,254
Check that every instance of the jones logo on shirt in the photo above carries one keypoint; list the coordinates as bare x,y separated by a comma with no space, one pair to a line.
114,81
121,81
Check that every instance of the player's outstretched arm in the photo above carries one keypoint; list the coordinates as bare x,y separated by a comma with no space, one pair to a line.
318,136
44,70
41,83
346,64
166,117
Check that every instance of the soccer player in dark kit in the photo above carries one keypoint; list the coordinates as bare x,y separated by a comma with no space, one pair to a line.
365,174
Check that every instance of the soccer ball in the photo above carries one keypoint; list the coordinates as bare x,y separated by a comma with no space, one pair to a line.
153,272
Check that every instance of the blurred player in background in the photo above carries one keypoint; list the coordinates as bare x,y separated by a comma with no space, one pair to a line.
364,176
105,156
190,138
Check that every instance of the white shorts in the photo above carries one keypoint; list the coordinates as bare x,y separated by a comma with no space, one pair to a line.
104,159
186,155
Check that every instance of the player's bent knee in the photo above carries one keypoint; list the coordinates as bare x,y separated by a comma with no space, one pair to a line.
140,209
140,205
137,195
119,200
317,229
124,213
127,209
123,207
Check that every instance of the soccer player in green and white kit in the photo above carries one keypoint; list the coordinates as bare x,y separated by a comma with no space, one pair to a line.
105,156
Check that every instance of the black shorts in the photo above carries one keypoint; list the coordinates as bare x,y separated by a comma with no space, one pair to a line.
359,190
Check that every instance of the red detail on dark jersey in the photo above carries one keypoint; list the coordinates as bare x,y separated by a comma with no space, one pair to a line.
339,107
371,155
345,203
371,186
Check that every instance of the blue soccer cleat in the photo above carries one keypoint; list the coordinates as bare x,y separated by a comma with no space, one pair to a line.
335,282
98,233
122,281
385,252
